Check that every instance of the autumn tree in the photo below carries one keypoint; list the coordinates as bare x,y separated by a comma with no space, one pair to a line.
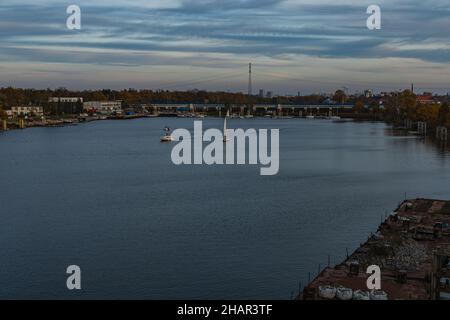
443,115
407,104
359,107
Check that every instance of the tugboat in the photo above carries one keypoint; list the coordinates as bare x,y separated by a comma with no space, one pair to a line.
167,135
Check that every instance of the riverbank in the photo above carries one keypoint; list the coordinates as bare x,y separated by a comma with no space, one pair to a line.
412,249
59,122
66,121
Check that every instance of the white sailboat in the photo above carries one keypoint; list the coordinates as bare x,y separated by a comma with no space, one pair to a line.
225,137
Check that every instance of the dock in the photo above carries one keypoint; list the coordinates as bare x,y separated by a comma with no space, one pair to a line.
411,248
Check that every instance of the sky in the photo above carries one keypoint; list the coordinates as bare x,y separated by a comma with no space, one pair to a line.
306,46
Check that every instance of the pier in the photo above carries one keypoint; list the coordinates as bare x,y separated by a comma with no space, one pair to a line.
442,133
412,249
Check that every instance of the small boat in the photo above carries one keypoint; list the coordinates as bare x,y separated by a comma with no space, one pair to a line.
167,135
327,292
361,295
225,137
310,117
378,295
344,293
167,139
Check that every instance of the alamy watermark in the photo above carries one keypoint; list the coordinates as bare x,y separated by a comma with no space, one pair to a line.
74,280
374,20
374,280
221,148
73,22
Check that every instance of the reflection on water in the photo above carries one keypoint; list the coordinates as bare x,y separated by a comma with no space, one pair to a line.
106,196
442,148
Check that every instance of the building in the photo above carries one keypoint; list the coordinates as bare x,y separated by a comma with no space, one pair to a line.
269,94
103,107
65,105
30,111
261,93
426,98
368,93
65,99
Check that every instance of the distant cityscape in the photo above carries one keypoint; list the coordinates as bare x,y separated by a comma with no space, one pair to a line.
423,112
31,102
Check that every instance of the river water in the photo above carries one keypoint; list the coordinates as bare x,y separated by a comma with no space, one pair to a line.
105,196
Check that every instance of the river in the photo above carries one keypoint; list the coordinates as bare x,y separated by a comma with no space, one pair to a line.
105,196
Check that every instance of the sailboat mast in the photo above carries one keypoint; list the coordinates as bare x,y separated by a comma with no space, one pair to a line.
225,127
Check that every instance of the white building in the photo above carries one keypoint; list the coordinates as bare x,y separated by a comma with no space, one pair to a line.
368,93
27,111
103,107
65,99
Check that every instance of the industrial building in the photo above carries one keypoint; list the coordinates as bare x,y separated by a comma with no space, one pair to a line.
103,107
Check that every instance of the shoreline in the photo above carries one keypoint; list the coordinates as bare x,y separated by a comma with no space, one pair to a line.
412,249
70,121
14,124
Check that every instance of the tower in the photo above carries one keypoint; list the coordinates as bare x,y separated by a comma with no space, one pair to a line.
250,79
249,96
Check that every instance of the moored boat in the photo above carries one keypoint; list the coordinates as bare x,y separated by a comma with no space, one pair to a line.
344,293
167,136
327,292
361,295
378,295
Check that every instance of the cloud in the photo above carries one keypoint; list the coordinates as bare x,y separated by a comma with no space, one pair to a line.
211,35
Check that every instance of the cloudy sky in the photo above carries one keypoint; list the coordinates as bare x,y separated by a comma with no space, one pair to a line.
294,45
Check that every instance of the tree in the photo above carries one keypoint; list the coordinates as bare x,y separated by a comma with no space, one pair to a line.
407,103
374,107
358,107
340,96
447,123
97,96
444,113
2,114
